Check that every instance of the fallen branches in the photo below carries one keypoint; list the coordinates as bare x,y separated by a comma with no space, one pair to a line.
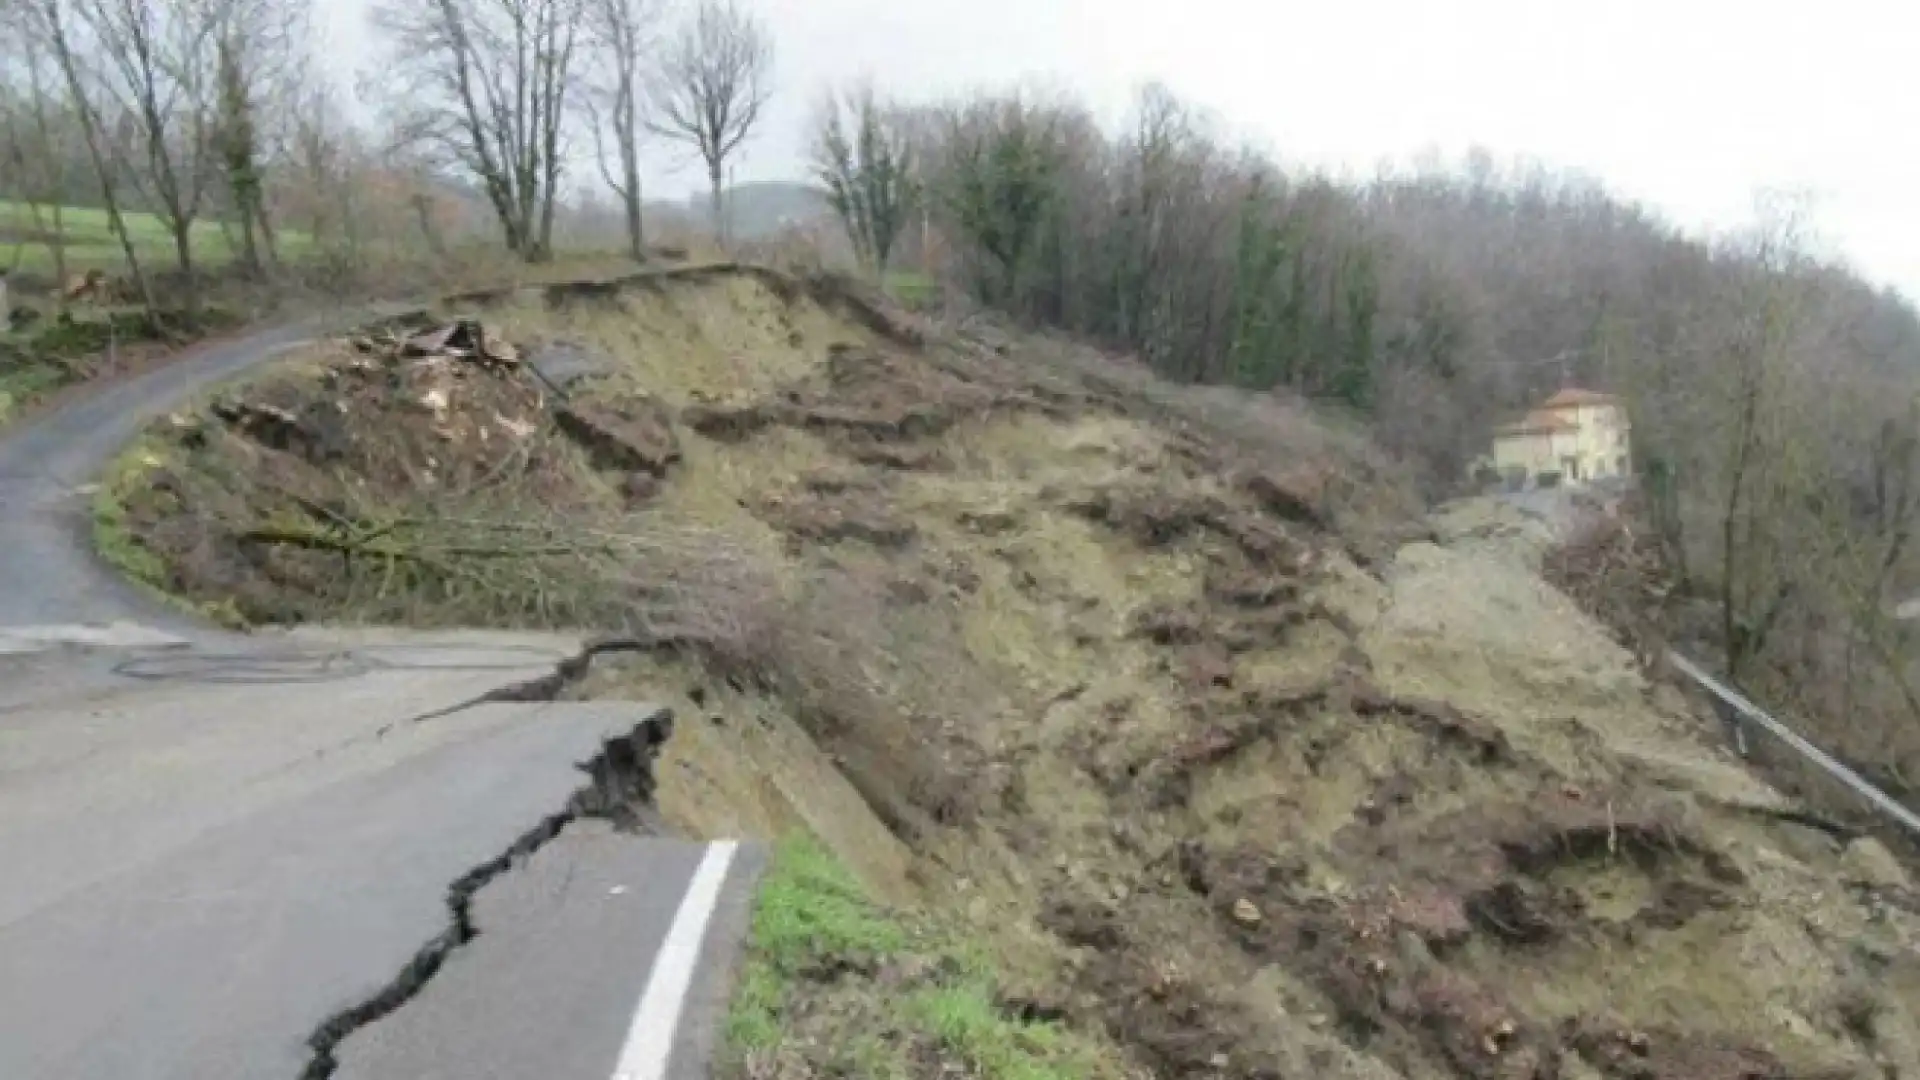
506,563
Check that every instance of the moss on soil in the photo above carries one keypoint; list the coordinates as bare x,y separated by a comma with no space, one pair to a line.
120,546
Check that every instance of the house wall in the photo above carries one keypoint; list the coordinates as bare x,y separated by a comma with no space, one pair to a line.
1603,445
1598,446
1521,453
1533,452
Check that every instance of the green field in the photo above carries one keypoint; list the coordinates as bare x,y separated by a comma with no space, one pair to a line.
911,287
91,245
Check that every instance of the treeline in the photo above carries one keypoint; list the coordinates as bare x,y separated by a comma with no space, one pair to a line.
220,114
1209,263
1434,301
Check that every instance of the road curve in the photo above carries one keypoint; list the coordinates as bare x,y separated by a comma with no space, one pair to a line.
48,573
245,859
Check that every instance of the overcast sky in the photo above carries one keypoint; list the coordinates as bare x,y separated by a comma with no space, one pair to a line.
1692,106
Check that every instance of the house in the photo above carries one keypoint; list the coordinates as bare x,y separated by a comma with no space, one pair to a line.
1574,437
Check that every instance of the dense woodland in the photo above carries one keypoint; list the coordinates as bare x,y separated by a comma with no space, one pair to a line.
1771,392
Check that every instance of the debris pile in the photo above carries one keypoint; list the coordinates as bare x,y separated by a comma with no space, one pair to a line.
457,339
1618,574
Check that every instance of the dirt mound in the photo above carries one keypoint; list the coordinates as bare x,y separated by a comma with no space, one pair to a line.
1224,760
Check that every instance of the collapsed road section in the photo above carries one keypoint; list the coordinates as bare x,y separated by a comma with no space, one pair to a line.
226,857
209,880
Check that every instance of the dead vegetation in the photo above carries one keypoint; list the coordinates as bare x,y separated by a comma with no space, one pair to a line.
1159,695
1617,571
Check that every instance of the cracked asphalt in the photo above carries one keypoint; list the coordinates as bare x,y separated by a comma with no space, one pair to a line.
247,857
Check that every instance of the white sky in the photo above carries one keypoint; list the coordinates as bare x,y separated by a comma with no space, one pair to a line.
1692,106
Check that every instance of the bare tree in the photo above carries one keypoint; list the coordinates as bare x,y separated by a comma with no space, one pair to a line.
151,56
623,39
24,153
258,57
714,78
863,154
51,19
49,141
485,83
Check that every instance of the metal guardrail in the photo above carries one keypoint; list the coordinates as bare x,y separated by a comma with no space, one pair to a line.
1833,767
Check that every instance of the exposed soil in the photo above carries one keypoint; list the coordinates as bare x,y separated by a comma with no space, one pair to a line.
1155,693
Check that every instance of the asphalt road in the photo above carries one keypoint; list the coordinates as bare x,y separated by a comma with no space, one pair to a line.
47,572
228,857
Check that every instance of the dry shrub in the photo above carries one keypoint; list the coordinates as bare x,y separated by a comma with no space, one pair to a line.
1614,570
880,685
504,562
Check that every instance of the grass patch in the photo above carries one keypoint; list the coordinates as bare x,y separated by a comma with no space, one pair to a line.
91,244
70,348
968,1024
19,386
812,912
116,544
911,287
112,536
836,986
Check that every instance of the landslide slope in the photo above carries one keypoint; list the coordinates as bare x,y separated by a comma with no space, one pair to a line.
1167,700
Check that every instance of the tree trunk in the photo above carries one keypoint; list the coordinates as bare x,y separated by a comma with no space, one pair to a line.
59,248
118,224
266,234
630,195
183,254
719,213
250,247
543,247
1734,554
636,237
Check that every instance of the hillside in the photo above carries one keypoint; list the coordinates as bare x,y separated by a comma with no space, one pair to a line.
1163,731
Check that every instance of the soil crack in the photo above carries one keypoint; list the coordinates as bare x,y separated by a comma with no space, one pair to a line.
546,687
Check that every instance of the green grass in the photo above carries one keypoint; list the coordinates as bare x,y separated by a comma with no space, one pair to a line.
911,287
809,910
114,540
809,987
92,245
111,536
60,350
20,386
966,1022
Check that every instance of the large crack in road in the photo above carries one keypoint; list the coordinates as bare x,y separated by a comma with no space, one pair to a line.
269,859
620,790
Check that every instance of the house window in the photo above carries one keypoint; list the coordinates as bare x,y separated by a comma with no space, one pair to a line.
1620,464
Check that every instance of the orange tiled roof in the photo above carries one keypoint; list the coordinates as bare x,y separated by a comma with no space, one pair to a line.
1572,397
1540,422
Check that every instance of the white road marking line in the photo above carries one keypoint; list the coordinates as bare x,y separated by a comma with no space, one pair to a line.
657,1018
